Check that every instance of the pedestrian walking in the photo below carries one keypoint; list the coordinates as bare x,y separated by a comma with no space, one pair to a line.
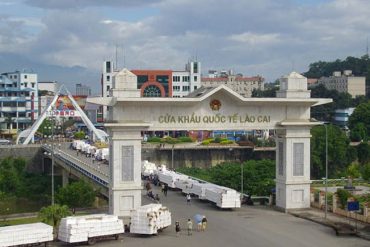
188,198
165,189
177,228
190,227
204,223
148,186
162,187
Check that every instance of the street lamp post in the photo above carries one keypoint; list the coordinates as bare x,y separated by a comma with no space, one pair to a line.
242,178
326,171
52,128
172,156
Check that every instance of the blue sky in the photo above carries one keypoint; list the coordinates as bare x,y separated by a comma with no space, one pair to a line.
67,40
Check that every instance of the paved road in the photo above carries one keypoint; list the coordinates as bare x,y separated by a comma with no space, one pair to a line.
248,226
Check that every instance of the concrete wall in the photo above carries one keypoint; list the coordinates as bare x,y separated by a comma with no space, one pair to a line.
202,157
32,154
199,157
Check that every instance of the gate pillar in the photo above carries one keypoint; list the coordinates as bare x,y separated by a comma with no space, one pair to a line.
293,168
125,171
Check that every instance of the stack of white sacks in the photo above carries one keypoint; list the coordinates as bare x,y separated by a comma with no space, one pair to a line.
170,177
223,197
148,219
199,189
80,228
25,234
148,168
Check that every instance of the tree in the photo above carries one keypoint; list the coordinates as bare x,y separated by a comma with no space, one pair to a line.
79,135
361,115
365,171
363,153
11,174
53,214
353,170
358,133
45,127
77,194
338,148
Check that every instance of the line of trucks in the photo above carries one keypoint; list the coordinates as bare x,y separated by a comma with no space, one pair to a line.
100,154
222,196
148,219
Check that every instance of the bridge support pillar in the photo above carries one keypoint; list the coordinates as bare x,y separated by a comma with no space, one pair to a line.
293,168
65,177
125,169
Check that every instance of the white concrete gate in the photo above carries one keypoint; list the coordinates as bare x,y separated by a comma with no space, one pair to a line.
212,109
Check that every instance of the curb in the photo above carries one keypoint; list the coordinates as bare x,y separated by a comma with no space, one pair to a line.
359,234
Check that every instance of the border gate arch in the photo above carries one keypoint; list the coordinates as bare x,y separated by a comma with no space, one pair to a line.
217,108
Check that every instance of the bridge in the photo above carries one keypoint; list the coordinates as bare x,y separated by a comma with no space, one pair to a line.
77,164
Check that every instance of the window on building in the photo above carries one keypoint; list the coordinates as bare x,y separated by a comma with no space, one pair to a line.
33,84
195,78
195,87
108,78
185,78
298,159
185,88
195,68
108,87
152,91
108,67
25,76
176,88
11,77
25,84
21,114
176,78
15,77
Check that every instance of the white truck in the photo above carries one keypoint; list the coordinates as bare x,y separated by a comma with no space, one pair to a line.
26,235
90,228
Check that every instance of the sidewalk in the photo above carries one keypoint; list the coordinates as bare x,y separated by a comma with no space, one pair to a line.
346,226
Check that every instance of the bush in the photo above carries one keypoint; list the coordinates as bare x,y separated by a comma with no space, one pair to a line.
185,139
154,139
206,142
217,139
343,196
353,170
226,142
365,171
169,140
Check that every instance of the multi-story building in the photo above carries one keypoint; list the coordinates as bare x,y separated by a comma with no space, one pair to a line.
18,101
341,116
185,82
345,83
155,83
83,90
242,85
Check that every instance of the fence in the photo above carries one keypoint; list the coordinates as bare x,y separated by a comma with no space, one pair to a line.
318,201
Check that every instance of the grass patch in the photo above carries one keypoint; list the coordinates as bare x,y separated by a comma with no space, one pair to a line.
19,221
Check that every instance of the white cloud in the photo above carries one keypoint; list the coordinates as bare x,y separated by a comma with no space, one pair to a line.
256,39
253,37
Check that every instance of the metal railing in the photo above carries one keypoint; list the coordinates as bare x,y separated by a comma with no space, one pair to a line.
99,177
